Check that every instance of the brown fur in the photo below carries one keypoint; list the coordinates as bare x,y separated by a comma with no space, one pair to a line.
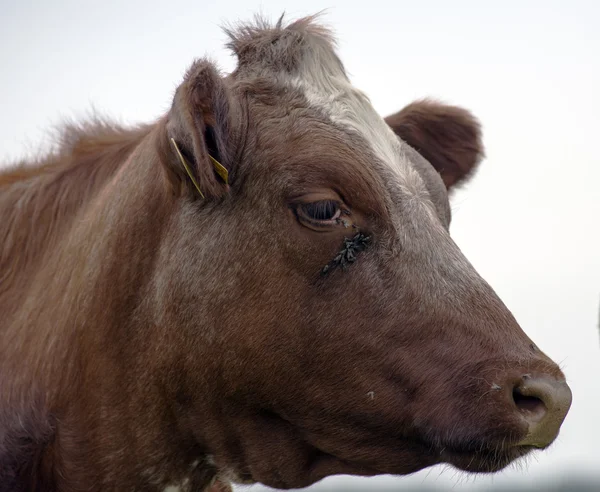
151,338
447,136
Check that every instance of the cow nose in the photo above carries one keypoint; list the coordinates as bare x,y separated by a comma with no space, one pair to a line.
543,402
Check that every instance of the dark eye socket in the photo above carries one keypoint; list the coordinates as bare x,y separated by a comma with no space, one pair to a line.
320,211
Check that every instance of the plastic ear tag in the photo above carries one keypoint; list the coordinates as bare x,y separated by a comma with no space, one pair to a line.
187,167
220,169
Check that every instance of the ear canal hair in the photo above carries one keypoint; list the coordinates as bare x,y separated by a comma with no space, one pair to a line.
449,137
198,134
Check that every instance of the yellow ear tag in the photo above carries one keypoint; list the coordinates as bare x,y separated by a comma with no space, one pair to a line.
186,166
221,171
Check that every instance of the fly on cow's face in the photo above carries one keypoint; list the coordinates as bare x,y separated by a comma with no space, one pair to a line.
344,222
347,255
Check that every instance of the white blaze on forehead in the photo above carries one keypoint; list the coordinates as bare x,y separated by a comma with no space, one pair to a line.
323,81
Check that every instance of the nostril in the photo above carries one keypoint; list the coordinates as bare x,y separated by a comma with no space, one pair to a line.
543,402
532,407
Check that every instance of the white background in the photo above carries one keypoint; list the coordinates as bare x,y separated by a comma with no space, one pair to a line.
529,221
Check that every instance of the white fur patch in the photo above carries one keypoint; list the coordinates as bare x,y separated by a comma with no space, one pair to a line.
324,83
183,487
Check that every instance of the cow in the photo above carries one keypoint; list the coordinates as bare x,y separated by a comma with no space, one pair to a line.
258,287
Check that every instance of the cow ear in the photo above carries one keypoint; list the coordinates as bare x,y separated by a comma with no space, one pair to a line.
449,137
196,148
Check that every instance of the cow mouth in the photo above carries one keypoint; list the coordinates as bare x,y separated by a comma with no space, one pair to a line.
484,459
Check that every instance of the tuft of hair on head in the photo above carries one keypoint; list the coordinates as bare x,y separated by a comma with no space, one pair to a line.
277,46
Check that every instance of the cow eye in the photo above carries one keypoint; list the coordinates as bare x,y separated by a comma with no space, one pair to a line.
325,211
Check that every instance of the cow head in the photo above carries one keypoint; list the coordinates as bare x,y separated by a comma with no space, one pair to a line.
323,319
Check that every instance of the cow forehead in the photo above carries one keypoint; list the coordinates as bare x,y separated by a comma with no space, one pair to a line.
301,56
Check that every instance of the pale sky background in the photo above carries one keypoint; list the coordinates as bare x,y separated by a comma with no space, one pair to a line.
530,70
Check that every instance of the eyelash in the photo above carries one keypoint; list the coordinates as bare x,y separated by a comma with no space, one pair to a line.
324,211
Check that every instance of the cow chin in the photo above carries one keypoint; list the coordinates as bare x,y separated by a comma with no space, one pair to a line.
481,447
484,460
297,464
282,457
318,464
